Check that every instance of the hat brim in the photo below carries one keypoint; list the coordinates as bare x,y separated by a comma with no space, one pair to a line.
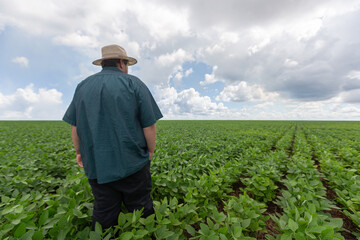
132,61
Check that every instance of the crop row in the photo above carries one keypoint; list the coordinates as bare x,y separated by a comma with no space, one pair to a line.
303,200
211,180
341,165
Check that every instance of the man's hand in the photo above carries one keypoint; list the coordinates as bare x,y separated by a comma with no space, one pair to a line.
75,139
150,136
78,160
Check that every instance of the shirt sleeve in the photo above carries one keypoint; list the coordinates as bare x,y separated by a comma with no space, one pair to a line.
70,114
149,110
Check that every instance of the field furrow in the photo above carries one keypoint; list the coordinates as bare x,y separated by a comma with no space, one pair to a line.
211,180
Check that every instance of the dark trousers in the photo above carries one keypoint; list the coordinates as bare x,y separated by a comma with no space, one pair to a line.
133,191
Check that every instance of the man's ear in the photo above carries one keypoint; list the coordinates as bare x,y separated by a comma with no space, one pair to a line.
119,64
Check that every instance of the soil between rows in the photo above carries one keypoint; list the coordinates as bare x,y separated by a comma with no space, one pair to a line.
348,224
272,208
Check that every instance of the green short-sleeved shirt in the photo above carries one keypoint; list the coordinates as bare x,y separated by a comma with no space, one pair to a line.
110,110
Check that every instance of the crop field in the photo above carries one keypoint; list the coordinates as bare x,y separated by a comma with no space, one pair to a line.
211,180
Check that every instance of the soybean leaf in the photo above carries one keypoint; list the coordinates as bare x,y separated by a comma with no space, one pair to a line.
126,236
292,225
336,223
38,235
98,228
43,218
94,236
286,236
163,233
246,223
28,235
20,230
190,230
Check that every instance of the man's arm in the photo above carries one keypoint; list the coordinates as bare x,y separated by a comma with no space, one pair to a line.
75,139
150,136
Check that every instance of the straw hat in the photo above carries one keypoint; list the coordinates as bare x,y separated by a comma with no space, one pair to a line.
114,52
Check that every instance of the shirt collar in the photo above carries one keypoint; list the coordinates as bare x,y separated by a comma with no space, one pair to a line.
111,69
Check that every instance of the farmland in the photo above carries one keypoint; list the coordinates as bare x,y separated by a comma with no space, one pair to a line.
211,180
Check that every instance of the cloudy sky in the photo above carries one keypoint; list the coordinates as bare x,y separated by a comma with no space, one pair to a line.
240,59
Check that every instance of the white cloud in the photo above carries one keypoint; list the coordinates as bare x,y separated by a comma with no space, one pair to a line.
178,75
210,78
258,46
77,39
321,111
28,103
178,57
351,96
190,101
188,72
215,49
290,63
263,105
22,61
324,110
177,78
353,75
306,29
159,70
301,50
162,22
189,104
243,92
231,37
84,73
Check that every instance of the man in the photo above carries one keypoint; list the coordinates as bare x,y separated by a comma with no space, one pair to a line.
112,117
